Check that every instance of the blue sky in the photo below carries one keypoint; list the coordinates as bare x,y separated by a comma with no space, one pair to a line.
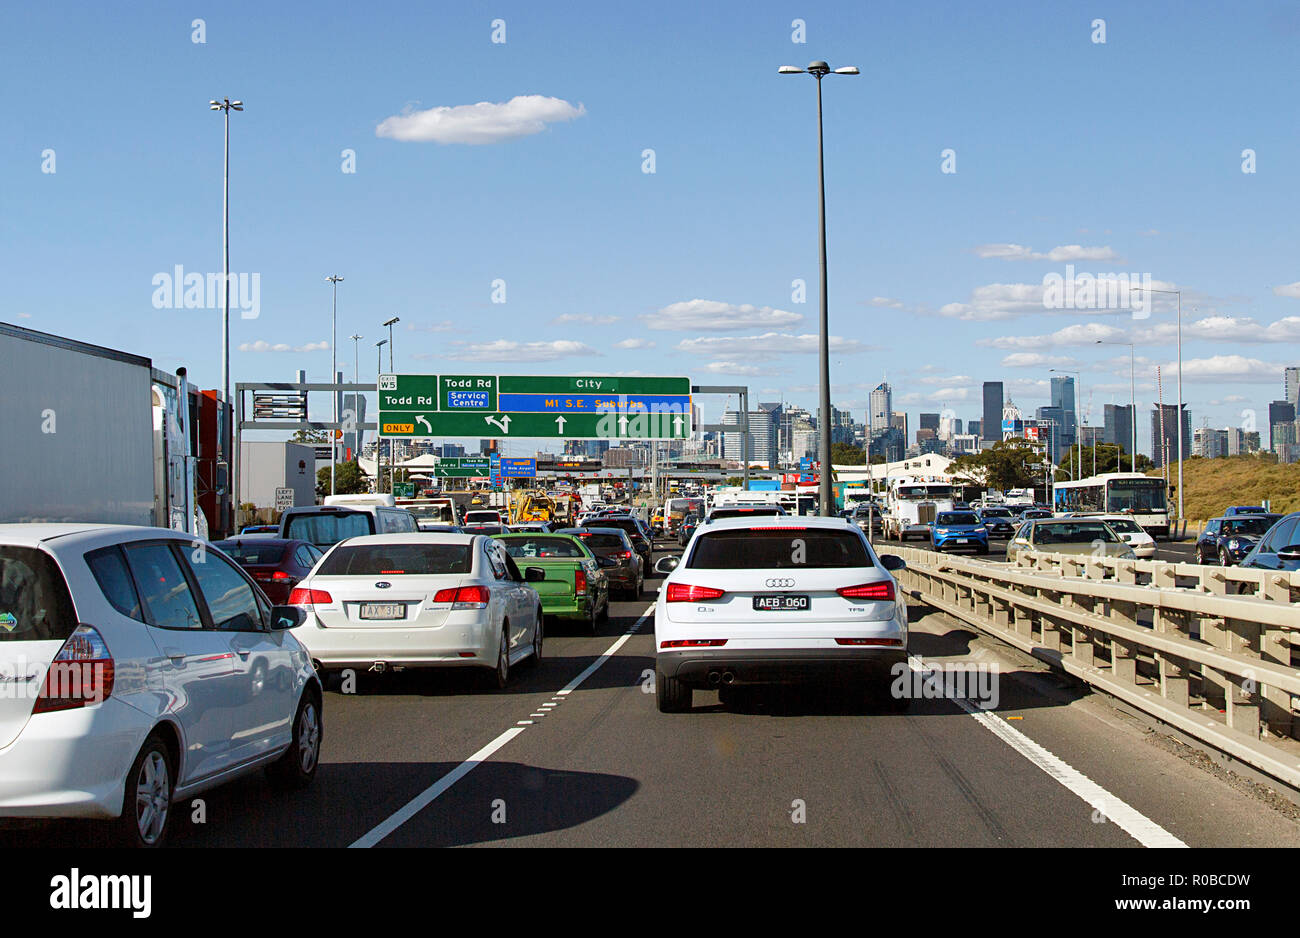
1122,156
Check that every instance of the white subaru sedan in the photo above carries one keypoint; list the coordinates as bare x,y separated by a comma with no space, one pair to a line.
420,600
139,666
777,600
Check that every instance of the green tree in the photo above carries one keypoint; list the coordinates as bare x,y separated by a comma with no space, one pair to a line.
348,480
310,437
846,454
1110,458
1007,464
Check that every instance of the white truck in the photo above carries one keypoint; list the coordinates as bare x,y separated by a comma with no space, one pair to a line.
912,503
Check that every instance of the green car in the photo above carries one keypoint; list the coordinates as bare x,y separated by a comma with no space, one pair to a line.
575,588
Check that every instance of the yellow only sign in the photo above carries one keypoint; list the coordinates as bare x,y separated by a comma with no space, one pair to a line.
399,428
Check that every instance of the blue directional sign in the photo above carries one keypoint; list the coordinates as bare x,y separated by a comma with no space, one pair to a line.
518,468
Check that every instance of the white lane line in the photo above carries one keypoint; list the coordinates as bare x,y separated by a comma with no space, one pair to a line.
1137,825
442,785
613,649
524,723
426,797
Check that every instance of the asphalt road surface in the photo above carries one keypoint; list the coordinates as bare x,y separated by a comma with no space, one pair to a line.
575,753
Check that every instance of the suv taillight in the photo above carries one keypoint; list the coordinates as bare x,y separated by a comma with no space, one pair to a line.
882,590
688,593
80,674
309,597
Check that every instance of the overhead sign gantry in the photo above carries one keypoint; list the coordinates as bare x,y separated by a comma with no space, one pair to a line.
556,406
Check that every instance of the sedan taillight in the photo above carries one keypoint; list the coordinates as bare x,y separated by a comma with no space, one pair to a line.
463,597
309,597
689,593
881,590
80,674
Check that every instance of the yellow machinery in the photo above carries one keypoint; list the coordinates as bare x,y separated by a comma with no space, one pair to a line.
534,506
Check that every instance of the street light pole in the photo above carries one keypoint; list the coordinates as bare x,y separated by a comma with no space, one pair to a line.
225,105
334,320
825,496
1178,419
379,367
389,324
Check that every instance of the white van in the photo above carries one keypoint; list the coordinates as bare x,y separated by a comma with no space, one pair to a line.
326,525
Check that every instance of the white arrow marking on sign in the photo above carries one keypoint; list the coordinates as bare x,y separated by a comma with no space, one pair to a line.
622,423
677,424
427,425
503,423
559,422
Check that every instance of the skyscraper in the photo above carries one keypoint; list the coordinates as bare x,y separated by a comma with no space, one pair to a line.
1051,419
881,406
991,425
1170,439
1291,386
1064,398
1119,426
1280,413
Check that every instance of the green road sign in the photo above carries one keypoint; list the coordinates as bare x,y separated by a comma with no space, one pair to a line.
561,407
404,489
461,467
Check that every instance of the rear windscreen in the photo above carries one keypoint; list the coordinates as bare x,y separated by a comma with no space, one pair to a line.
560,548
252,554
1083,532
35,605
603,543
397,560
328,528
782,548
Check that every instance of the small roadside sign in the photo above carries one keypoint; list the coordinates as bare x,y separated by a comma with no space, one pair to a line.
283,498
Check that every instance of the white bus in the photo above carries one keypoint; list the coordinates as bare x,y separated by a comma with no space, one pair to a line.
1119,493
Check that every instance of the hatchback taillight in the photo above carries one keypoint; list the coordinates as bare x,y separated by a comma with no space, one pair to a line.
689,593
622,555
579,581
80,674
881,590
309,597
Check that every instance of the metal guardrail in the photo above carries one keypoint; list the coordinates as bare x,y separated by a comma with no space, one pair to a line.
1170,639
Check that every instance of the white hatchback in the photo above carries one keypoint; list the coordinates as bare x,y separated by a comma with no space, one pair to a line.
420,600
777,600
139,666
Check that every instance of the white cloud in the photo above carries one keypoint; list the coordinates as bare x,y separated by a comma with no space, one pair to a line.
1079,334
261,346
735,368
634,344
480,123
713,315
1066,252
583,318
1034,360
504,350
767,346
953,379
886,301
1288,289
445,326
1237,369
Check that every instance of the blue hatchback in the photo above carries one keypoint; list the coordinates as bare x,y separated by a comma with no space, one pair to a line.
959,530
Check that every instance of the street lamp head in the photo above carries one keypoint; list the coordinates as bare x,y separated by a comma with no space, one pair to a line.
395,319
333,279
237,105
848,70
214,105
381,342
787,70
818,68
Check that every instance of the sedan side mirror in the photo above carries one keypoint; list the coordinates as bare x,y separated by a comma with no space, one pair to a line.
893,562
284,618
666,564
534,574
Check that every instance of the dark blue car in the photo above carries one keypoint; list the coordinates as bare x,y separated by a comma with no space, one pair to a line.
959,530
1227,540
